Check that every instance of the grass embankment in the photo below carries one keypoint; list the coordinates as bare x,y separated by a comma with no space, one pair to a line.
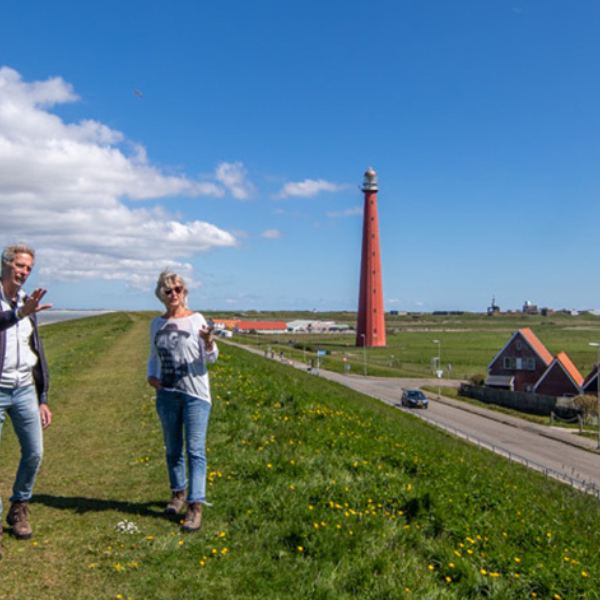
318,492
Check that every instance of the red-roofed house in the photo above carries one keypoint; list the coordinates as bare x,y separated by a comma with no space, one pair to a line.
590,383
520,364
562,378
225,323
261,326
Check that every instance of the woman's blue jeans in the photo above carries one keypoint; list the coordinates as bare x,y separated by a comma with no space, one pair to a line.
21,405
179,412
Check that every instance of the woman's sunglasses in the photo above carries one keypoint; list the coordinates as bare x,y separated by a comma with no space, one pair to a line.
169,291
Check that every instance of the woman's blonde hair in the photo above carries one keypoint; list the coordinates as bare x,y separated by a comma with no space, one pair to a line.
169,279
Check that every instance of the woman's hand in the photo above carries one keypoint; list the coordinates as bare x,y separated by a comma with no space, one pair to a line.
206,335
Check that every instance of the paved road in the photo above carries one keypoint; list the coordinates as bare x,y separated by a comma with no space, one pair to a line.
557,451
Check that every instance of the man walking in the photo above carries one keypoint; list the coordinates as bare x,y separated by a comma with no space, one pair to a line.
23,378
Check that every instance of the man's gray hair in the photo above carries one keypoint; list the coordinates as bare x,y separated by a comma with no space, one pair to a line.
9,252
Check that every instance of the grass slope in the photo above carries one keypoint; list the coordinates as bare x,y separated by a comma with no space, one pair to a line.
318,492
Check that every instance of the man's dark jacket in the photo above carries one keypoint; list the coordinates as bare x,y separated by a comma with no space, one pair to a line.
41,375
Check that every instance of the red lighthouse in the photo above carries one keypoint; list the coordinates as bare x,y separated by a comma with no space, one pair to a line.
370,327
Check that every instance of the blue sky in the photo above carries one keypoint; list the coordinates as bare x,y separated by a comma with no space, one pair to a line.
240,160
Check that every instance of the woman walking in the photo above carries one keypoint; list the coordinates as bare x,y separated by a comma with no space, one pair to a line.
181,346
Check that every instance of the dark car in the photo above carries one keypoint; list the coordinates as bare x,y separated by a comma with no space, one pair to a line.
414,399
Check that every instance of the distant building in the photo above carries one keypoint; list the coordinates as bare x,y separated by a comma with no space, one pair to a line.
305,326
223,324
260,327
494,309
530,309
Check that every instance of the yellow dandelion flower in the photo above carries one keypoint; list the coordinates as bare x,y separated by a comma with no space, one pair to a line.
431,567
202,563
517,576
224,551
517,559
448,579
584,574
451,565
483,572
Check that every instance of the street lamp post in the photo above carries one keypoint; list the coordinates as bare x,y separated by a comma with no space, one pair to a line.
597,346
362,335
439,369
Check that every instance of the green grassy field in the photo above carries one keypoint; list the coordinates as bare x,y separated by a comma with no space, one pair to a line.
317,492
469,342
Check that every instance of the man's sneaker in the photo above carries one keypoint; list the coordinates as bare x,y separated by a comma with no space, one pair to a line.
17,518
177,503
193,517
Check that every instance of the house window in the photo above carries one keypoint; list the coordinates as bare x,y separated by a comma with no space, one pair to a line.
509,362
519,345
530,364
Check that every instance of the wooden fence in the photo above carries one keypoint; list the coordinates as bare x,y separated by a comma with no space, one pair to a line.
533,404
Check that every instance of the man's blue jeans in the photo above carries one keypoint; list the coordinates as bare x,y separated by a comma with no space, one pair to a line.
21,405
178,412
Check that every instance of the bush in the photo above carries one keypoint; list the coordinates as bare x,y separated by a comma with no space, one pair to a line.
477,379
587,404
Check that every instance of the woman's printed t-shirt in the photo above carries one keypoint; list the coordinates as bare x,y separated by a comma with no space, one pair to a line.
178,356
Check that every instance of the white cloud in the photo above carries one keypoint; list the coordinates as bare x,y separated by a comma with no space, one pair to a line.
308,188
233,177
272,234
62,189
349,212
